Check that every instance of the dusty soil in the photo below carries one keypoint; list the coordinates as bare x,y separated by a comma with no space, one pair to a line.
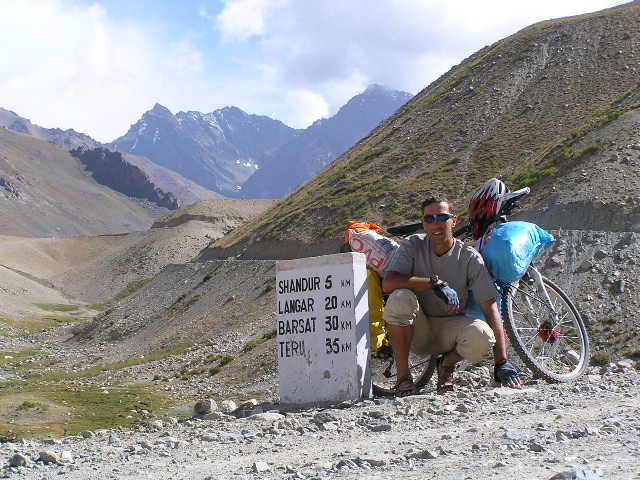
81,270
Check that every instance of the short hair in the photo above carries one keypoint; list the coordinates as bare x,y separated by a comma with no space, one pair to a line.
435,199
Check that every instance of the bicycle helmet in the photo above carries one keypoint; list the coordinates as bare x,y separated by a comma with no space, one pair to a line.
484,206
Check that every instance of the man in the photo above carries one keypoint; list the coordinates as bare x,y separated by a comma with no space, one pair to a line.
429,278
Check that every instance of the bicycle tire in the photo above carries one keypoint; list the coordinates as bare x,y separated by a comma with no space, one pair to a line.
546,345
421,367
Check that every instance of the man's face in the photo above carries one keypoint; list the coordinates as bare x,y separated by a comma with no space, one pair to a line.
439,231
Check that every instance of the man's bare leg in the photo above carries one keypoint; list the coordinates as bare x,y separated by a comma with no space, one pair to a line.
445,371
451,359
401,336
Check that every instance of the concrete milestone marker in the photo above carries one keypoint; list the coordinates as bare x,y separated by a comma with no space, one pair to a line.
323,329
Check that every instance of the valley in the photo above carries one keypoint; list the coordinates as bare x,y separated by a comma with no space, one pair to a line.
138,296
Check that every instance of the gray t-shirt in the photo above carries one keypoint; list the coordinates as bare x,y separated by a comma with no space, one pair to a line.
461,267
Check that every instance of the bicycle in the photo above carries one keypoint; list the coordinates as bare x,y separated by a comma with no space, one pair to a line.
542,324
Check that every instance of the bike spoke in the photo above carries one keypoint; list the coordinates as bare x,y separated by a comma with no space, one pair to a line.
547,330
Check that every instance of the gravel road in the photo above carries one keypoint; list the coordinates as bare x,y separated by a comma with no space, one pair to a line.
589,429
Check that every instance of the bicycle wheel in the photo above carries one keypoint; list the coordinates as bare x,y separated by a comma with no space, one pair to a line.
550,339
383,371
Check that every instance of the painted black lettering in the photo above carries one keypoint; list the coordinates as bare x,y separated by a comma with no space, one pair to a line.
330,303
292,348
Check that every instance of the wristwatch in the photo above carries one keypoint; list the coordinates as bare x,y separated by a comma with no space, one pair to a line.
435,280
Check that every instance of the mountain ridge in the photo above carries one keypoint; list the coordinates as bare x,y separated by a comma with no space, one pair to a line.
228,148
196,144
168,181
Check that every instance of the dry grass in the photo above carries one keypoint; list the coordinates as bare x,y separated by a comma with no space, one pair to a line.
55,410
39,323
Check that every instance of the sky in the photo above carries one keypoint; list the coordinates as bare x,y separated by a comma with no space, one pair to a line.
97,66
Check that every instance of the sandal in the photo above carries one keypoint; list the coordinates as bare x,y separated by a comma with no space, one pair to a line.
445,377
405,387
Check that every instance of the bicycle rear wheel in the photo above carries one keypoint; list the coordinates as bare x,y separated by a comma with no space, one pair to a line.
383,371
550,339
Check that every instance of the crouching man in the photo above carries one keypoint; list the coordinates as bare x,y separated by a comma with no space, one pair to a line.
429,278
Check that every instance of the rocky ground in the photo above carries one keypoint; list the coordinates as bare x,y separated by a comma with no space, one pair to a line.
589,429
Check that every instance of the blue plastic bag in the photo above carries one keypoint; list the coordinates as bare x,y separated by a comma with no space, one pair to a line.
511,247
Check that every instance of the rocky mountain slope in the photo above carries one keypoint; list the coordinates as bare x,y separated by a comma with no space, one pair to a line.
44,191
251,156
112,170
170,182
321,143
186,191
541,107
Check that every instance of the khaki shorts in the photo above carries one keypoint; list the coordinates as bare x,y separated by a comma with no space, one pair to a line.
472,338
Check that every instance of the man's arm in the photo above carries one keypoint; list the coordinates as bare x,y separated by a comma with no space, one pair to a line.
395,281
490,310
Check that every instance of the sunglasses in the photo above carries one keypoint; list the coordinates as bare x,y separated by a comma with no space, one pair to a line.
440,217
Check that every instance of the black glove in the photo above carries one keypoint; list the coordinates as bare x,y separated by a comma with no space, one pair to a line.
446,293
504,372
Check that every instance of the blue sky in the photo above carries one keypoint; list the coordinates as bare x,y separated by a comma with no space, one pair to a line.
96,66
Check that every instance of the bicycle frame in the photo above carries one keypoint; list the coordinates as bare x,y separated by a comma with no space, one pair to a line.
537,277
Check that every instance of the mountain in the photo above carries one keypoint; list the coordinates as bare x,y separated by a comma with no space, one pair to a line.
320,144
168,181
219,150
554,106
251,156
45,192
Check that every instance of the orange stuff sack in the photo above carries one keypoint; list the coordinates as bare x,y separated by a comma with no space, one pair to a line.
359,227
377,328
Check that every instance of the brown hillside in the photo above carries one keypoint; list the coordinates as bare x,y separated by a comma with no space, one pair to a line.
520,109
45,192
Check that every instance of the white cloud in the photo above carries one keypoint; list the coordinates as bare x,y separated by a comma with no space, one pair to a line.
68,65
73,67
306,107
243,18
335,47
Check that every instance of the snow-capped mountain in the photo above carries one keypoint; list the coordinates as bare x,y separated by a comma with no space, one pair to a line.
250,156
219,150
321,143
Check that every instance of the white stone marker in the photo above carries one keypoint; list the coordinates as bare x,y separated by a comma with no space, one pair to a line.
323,329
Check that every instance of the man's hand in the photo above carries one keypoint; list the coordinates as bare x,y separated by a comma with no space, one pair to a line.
505,374
448,295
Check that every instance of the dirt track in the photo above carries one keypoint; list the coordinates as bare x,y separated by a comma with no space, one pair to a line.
475,433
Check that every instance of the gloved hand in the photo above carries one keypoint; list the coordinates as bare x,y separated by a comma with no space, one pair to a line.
446,293
504,372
